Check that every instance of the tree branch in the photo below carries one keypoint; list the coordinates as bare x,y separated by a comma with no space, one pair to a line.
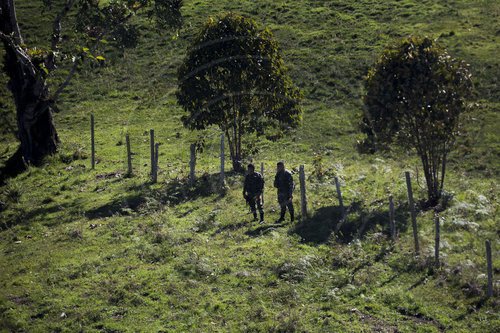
56,32
443,168
66,82
24,58
14,23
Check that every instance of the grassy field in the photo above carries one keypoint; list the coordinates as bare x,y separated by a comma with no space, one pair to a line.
93,250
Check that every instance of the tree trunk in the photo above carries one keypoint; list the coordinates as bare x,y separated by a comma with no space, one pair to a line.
430,179
234,137
237,163
37,132
36,129
235,151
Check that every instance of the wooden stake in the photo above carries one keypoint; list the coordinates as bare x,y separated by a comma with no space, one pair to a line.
412,212
339,194
437,238
155,163
262,174
222,159
92,140
152,142
391,219
192,164
302,179
490,269
157,146
129,156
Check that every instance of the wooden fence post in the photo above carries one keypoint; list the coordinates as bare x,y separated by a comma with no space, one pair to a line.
303,200
490,269
222,159
155,163
152,142
262,173
339,194
412,212
436,245
391,219
129,156
157,155
92,140
192,164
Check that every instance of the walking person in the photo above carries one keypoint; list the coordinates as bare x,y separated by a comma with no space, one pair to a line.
283,181
252,191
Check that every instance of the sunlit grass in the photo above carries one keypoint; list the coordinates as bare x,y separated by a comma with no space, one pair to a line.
93,250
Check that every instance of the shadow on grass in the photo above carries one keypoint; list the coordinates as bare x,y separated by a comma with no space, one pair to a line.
145,198
230,227
123,206
319,227
327,221
38,213
178,190
264,229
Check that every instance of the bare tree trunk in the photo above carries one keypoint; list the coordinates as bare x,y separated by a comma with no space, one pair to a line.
236,155
36,129
432,189
443,168
235,141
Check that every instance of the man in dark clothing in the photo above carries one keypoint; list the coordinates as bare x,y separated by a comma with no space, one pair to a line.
252,191
283,181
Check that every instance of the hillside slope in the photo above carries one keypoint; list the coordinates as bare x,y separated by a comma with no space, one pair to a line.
93,250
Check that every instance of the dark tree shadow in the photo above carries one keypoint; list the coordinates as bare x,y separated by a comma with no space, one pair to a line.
319,227
38,213
327,221
122,206
178,190
173,192
231,227
380,217
264,229
12,163
13,167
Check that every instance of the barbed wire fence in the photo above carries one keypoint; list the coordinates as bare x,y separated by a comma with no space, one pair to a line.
191,182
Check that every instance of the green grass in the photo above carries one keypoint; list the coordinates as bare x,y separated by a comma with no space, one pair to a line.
93,250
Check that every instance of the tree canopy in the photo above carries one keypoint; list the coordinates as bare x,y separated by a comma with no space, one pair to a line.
414,97
234,77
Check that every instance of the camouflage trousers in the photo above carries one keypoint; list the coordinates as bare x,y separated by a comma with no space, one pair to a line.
283,200
255,202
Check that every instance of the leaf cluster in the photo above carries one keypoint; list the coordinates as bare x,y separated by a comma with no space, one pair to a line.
113,19
234,73
415,94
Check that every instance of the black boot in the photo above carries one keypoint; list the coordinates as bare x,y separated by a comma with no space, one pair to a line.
282,217
292,211
262,217
255,216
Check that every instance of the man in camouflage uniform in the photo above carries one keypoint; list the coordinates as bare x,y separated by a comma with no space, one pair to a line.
283,181
252,191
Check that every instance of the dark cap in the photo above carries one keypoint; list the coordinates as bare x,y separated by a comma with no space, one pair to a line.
251,166
280,163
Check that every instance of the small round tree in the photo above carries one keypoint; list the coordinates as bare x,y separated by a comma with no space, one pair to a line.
233,77
414,97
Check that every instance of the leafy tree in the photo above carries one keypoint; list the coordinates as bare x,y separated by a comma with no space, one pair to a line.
233,77
33,69
414,97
